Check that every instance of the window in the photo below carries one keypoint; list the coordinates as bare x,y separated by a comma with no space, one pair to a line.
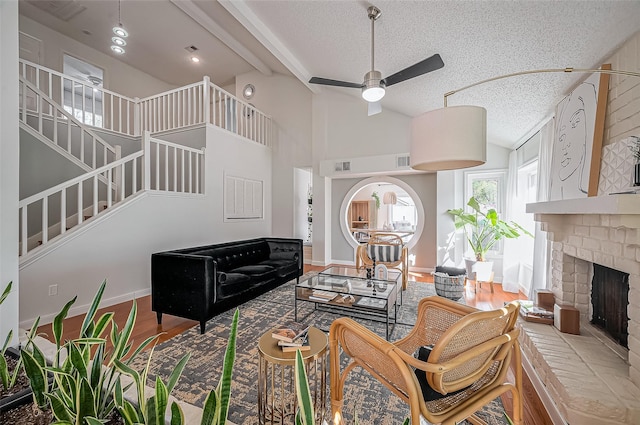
488,188
83,94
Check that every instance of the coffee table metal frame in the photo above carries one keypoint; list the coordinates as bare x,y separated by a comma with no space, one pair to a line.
371,299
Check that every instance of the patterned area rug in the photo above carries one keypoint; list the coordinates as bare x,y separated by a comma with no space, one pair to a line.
374,403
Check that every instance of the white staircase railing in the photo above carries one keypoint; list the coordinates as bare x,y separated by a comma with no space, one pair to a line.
93,104
173,109
73,197
45,117
161,166
172,167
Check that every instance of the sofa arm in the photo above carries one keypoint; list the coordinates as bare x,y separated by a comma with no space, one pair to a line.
183,284
286,249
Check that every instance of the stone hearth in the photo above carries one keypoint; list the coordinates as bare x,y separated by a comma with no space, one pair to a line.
589,377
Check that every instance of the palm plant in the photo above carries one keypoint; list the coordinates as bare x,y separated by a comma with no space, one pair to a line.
484,229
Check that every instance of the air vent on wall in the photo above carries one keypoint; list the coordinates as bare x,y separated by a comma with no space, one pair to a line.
343,166
403,161
61,9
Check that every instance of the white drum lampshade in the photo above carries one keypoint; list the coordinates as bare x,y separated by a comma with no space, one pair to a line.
389,198
449,138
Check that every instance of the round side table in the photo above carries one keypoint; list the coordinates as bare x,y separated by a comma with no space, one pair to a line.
277,400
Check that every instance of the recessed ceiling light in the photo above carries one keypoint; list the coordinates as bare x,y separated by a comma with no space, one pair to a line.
119,50
118,41
120,32
195,59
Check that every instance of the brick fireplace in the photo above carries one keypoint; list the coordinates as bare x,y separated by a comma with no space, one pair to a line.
589,377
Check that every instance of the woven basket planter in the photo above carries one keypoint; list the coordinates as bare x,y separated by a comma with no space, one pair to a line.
451,287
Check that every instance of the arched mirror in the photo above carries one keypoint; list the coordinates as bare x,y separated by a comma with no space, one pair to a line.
381,204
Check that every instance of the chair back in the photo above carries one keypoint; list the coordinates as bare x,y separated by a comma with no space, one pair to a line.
385,248
478,343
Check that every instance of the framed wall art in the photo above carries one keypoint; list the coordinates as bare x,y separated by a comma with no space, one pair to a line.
577,144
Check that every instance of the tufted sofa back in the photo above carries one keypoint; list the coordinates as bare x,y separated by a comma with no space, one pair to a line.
231,256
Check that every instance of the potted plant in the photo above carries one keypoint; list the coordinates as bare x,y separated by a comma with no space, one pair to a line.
483,230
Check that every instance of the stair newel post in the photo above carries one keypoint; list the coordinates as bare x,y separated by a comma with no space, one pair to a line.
136,117
207,100
147,160
119,175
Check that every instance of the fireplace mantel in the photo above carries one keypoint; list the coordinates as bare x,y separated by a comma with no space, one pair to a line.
626,204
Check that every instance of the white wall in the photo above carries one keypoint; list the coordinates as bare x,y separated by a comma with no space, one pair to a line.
425,249
288,102
9,160
119,247
302,183
118,76
451,195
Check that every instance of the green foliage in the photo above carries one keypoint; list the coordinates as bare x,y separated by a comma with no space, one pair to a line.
484,229
152,411
305,414
375,196
7,379
84,382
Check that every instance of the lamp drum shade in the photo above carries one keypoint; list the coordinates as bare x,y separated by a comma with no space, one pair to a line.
449,138
389,198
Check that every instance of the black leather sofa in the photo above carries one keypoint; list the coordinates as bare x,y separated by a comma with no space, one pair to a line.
199,283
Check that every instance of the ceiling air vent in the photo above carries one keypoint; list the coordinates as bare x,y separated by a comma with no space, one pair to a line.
402,161
343,166
191,49
61,9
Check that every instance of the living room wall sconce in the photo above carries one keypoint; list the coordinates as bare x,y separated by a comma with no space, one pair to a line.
455,137
248,91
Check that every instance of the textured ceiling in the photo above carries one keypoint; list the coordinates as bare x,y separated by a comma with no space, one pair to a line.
331,39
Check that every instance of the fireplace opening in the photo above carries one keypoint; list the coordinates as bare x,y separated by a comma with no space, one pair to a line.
609,299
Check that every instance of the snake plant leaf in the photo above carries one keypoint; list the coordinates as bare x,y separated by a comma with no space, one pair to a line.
177,371
78,360
119,347
305,404
406,421
227,369
102,323
93,421
6,292
151,415
162,397
57,325
6,341
88,318
211,409
96,367
58,407
85,397
37,378
177,416
142,346
4,372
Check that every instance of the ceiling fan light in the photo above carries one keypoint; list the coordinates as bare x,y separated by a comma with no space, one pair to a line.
373,94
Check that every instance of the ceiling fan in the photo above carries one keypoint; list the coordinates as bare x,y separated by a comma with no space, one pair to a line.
373,87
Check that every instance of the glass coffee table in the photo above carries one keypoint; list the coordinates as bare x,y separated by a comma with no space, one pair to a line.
347,291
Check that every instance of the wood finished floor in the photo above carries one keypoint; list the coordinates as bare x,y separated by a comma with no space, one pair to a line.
146,325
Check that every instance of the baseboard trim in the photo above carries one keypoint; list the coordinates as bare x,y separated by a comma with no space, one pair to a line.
545,398
421,269
82,309
318,263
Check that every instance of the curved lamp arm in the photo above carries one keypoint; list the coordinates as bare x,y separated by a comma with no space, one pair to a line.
540,71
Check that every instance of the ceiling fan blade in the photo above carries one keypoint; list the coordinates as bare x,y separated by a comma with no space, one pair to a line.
374,108
328,82
430,64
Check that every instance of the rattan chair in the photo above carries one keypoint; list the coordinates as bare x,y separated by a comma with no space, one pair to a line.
471,353
387,249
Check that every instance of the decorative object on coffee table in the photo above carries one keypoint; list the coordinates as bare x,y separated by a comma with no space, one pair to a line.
276,400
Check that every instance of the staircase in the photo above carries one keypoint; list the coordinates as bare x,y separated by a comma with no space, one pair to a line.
52,113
